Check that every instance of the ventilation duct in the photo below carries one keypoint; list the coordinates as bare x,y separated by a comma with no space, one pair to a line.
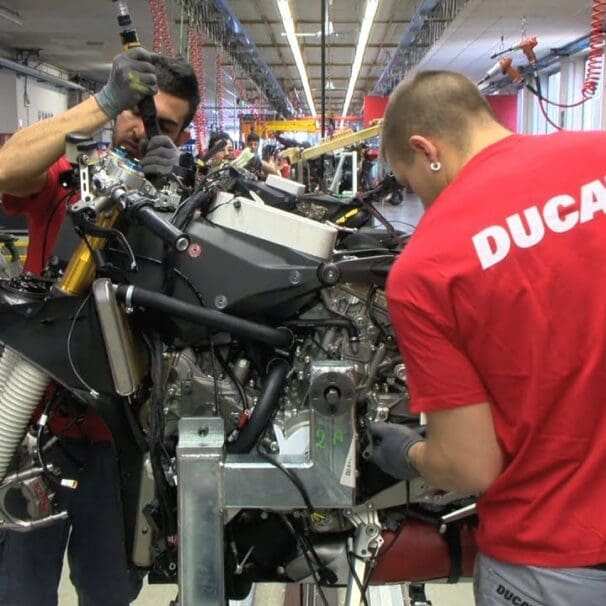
428,23
39,75
219,22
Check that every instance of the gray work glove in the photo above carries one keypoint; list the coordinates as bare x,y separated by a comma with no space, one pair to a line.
133,77
391,444
159,156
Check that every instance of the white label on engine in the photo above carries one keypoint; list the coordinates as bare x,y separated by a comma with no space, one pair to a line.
348,477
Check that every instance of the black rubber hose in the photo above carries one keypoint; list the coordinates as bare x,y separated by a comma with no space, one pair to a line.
216,320
200,199
264,409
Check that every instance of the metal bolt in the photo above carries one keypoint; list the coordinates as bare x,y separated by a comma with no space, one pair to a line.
295,277
220,301
172,567
203,431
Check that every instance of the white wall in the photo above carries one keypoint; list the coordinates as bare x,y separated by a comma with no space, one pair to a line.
44,101
8,102
563,87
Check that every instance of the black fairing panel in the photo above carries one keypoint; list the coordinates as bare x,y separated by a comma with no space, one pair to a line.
39,332
257,278
253,277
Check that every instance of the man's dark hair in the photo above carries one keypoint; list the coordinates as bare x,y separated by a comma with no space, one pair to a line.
216,137
441,104
176,77
252,136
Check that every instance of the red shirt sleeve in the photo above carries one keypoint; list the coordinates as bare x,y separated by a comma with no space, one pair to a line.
40,202
440,375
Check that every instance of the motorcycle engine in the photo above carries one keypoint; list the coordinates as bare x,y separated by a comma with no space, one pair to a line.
345,346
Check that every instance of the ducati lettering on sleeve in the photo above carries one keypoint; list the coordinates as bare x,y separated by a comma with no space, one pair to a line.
528,228
511,597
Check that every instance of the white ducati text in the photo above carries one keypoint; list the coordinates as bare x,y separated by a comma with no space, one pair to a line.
527,228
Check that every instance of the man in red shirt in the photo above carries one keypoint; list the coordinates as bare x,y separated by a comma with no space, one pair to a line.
31,183
498,308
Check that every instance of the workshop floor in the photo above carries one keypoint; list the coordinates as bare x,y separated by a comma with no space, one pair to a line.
160,595
404,217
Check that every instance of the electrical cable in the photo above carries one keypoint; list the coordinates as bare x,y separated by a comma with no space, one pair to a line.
230,373
410,225
49,222
307,548
179,273
39,449
330,355
213,365
542,107
292,476
593,72
156,435
354,574
92,391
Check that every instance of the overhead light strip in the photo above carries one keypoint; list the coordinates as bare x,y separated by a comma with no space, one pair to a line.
369,16
289,29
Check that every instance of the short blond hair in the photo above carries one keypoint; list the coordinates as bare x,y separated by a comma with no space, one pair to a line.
441,104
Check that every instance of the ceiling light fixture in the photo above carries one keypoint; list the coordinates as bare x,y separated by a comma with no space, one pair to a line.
11,15
289,28
369,16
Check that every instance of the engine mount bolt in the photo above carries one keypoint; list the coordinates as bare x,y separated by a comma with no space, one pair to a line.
295,277
220,301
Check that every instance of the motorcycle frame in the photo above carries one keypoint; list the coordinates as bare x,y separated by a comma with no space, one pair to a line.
213,486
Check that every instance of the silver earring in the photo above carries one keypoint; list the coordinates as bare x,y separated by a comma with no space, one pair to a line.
435,166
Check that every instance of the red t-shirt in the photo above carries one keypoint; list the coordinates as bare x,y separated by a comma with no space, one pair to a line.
500,297
45,212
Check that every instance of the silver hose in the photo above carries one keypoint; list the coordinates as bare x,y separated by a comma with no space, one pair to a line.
24,385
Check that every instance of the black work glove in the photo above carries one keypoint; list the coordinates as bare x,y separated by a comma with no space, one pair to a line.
159,156
133,77
391,444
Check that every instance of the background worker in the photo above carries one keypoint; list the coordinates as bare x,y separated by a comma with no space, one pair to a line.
225,154
31,166
486,302
256,165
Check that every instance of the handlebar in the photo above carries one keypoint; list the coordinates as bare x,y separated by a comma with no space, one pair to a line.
141,209
166,231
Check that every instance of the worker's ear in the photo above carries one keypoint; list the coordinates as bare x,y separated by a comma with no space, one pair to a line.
182,138
425,146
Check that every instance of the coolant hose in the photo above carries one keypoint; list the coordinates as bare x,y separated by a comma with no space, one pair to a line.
217,320
264,409
23,387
